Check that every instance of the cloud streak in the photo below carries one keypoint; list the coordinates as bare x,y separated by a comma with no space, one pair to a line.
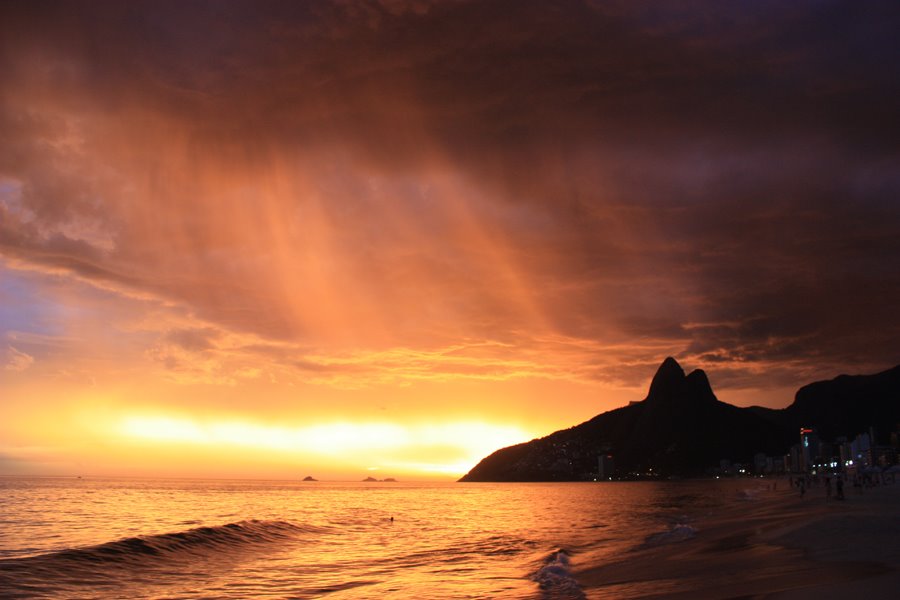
16,360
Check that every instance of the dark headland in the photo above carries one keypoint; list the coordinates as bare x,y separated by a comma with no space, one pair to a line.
682,430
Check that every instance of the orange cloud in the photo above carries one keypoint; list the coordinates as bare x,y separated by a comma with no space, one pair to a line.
477,209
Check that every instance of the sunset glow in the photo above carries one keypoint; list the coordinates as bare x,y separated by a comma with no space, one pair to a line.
294,239
343,442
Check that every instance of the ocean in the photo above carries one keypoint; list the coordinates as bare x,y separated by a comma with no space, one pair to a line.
133,538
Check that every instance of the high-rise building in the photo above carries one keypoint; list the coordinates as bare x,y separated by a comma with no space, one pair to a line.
809,448
605,466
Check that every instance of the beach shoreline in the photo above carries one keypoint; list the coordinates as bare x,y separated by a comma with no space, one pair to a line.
770,543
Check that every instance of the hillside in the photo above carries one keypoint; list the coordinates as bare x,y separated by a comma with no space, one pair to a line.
682,429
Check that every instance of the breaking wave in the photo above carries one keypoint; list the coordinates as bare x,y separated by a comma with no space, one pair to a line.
98,564
677,533
197,540
555,579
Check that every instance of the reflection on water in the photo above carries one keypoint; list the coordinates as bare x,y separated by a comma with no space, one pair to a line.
142,538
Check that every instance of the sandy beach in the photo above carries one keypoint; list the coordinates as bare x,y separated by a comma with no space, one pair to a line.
770,544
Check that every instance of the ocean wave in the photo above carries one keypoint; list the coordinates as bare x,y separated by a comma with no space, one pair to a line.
677,533
66,573
197,541
555,579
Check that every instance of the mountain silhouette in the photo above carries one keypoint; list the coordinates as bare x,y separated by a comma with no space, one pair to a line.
848,405
682,429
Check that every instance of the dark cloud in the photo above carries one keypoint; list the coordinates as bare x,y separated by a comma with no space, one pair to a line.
719,177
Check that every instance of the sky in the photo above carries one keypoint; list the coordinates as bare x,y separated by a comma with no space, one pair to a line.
361,238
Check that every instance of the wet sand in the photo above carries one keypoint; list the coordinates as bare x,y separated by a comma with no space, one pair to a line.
773,544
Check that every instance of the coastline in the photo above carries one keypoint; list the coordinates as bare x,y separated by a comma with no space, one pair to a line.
770,544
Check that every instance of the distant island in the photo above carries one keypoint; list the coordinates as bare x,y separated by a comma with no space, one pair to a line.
309,478
387,480
682,430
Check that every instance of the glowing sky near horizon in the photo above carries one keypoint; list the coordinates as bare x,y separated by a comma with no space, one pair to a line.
280,238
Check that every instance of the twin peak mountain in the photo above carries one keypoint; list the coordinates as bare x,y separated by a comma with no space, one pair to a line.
682,429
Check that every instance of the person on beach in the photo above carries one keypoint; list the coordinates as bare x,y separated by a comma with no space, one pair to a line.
802,488
840,488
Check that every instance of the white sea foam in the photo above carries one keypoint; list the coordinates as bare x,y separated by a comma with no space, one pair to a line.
555,577
677,533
